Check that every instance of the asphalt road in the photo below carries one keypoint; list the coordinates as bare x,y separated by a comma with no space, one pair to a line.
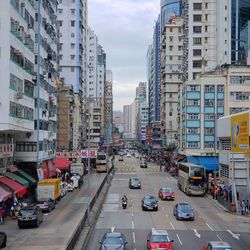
58,226
211,222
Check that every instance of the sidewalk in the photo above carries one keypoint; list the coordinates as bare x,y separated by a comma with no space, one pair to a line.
224,208
60,225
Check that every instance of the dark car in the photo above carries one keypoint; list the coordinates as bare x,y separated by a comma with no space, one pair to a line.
112,241
46,205
166,193
159,239
134,183
3,239
143,164
183,211
149,203
120,158
30,216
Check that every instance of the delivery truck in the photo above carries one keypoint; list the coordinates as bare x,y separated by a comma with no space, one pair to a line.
49,189
101,162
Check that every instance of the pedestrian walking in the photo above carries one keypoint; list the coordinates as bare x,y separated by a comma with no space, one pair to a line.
243,207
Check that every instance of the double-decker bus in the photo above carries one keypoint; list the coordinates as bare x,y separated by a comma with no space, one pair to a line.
191,178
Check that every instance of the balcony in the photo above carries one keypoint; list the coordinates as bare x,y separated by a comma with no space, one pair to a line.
6,150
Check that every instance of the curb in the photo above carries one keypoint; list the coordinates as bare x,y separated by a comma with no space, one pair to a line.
218,204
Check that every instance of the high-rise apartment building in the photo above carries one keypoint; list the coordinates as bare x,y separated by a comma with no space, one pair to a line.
149,79
72,20
213,95
207,36
28,104
171,77
108,106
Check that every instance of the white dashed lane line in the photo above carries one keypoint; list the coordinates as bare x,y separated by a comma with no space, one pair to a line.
172,225
210,227
179,239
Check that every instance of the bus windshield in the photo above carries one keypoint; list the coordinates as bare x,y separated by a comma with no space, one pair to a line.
197,177
101,157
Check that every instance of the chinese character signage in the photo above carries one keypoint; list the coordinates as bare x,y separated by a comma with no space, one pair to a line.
240,133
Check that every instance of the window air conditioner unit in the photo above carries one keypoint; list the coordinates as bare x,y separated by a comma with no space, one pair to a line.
19,95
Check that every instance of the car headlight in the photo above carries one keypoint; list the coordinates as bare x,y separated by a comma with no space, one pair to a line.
156,205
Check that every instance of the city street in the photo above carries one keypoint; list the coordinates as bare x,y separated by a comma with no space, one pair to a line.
211,222
58,226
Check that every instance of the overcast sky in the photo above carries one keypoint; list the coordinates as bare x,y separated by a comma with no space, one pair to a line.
124,29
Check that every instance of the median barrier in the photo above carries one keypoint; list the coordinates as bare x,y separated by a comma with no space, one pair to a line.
76,233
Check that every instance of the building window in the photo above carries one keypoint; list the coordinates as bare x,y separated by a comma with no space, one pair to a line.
209,88
170,76
72,11
209,117
170,58
197,18
170,48
206,28
206,17
60,11
206,5
220,88
60,57
179,38
197,40
179,30
72,45
197,6
194,131
209,145
72,35
197,64
72,23
197,52
209,131
171,38
193,116
197,29
179,48
209,103
179,58
193,102
60,23
224,171
206,40
72,69
192,144
171,30
170,113
72,57
193,88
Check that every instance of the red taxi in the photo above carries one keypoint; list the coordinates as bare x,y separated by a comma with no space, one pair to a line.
159,239
166,193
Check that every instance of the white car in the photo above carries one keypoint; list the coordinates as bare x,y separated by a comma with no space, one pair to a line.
63,189
70,187
128,155
75,181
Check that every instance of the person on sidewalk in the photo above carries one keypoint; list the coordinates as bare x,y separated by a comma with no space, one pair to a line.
243,207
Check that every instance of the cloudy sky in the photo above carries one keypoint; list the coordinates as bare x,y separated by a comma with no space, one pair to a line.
125,29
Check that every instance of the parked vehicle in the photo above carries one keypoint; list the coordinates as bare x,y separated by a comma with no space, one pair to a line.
74,181
46,205
113,240
143,164
3,239
79,178
30,216
149,203
134,183
217,245
70,187
78,168
159,239
166,193
49,189
183,211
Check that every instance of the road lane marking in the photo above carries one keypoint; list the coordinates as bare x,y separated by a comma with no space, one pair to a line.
236,236
179,239
210,227
132,214
112,229
133,225
172,225
196,233
219,237
134,237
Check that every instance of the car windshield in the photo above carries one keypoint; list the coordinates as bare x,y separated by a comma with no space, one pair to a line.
149,199
135,179
113,241
167,190
159,238
184,208
27,212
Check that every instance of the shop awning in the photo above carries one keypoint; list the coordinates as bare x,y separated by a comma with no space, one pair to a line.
4,195
19,189
62,163
17,179
26,176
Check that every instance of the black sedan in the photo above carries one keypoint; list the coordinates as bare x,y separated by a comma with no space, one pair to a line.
113,240
30,216
134,183
149,203
183,211
46,205
3,239
143,164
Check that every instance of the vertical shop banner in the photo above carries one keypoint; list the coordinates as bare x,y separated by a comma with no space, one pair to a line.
240,133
